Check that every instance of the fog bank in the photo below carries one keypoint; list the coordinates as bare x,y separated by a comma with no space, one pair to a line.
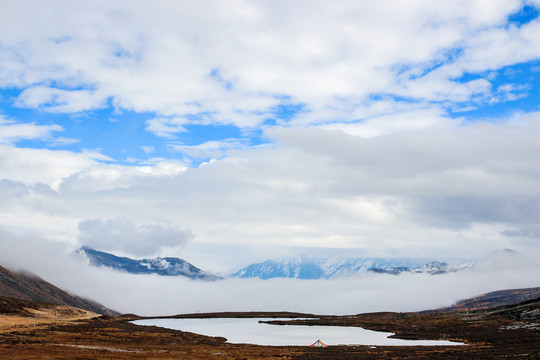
158,295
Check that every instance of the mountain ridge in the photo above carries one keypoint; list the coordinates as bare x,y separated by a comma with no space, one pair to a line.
164,266
311,268
320,268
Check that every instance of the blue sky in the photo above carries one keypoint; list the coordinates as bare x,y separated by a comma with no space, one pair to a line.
273,125
122,132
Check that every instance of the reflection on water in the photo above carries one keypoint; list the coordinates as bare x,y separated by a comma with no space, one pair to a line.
250,331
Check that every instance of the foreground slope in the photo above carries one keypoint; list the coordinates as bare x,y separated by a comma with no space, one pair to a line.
26,286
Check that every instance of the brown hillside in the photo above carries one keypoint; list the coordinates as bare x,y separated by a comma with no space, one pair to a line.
26,286
494,299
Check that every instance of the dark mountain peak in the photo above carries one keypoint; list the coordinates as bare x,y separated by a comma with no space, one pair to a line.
436,264
165,266
503,252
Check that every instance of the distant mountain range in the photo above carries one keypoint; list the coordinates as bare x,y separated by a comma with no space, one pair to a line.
316,268
297,267
167,266
30,288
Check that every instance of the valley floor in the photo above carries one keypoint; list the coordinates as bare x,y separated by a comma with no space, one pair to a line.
57,333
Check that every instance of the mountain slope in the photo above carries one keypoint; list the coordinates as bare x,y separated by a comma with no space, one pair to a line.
26,286
168,266
494,299
294,268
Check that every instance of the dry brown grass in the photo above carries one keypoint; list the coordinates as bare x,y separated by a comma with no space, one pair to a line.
43,317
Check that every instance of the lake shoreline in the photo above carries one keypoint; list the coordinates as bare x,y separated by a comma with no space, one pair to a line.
285,332
489,334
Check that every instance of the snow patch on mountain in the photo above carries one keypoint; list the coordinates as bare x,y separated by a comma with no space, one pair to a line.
316,268
168,266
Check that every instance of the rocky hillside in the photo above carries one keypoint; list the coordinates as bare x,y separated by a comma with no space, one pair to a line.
29,287
494,299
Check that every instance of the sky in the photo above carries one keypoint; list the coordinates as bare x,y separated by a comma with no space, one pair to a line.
229,132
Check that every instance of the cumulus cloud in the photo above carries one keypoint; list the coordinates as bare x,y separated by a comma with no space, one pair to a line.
107,177
235,64
166,127
33,166
125,236
405,120
210,149
12,131
445,189
59,100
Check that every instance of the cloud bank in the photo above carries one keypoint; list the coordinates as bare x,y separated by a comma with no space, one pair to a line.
123,235
461,189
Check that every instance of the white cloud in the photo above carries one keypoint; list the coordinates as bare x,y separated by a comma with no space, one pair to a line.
125,236
148,149
108,177
61,141
166,127
12,131
380,173
438,189
59,100
33,166
210,149
402,121
368,293
236,62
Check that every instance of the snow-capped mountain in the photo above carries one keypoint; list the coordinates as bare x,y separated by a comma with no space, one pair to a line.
291,268
347,267
508,259
306,268
438,267
167,266
329,268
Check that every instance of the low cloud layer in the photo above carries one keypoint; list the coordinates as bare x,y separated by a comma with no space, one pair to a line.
155,295
367,293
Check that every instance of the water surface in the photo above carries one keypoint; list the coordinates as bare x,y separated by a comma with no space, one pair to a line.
250,331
